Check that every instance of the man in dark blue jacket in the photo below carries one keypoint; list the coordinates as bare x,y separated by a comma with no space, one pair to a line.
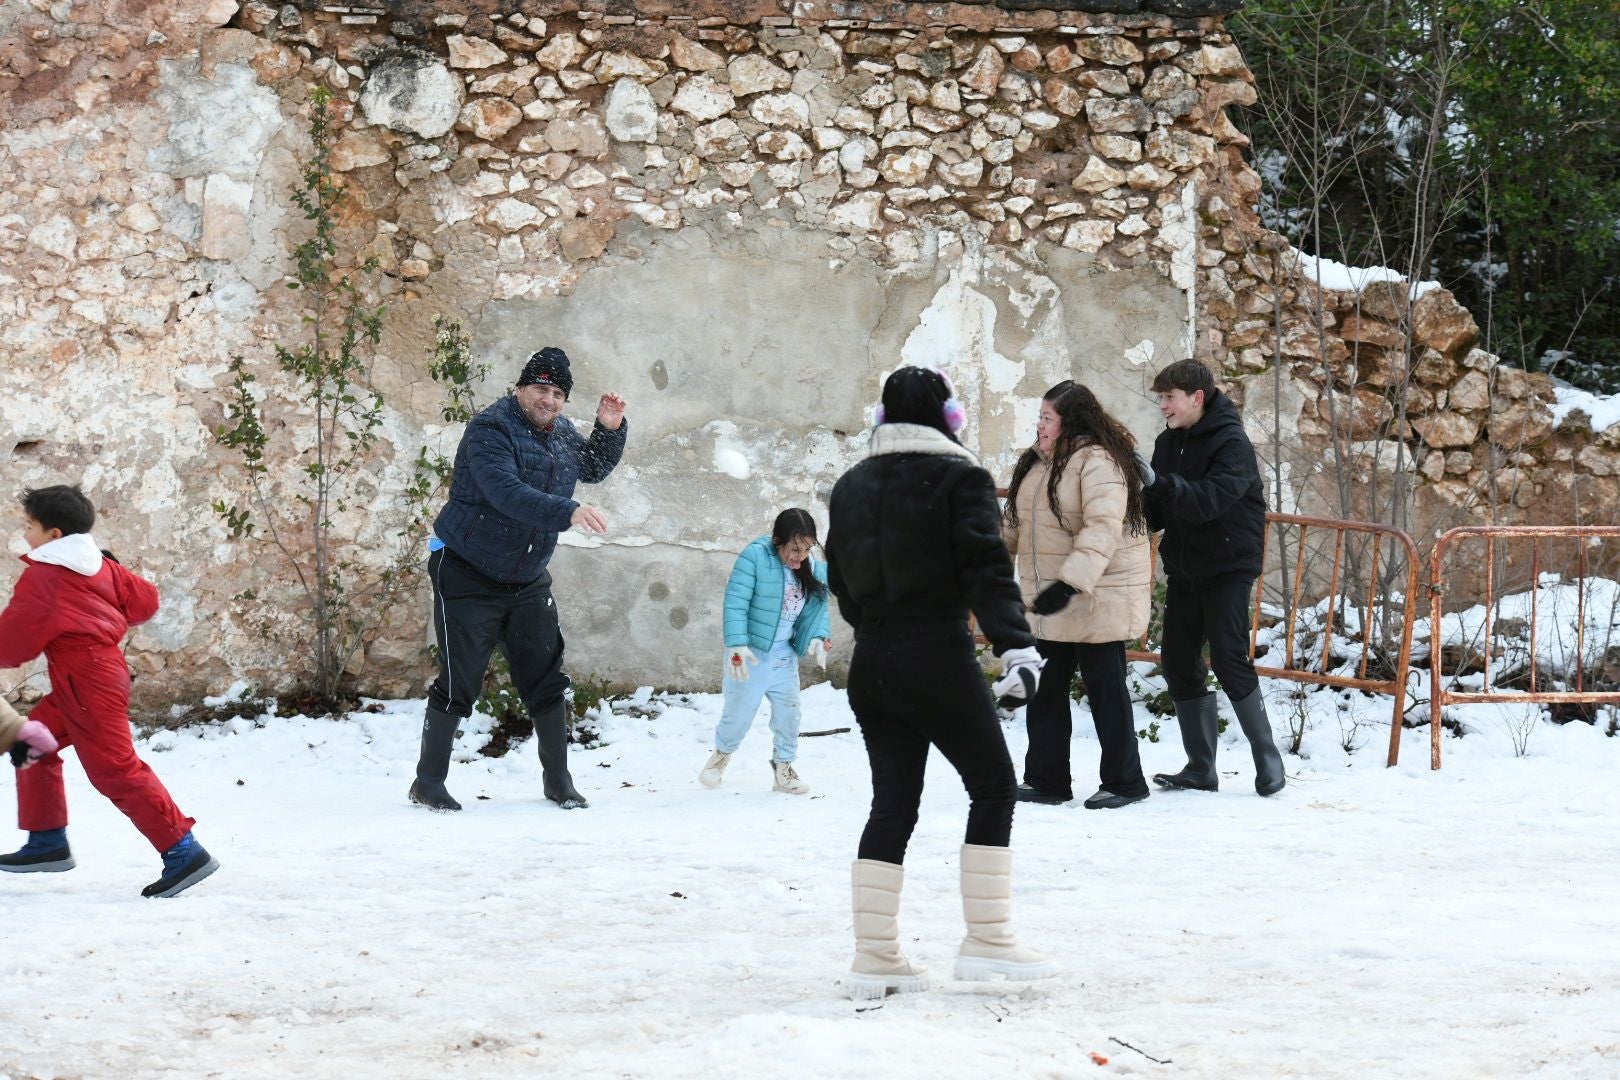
510,496
1203,489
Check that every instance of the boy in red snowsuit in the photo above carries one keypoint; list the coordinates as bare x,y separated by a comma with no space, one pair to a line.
74,603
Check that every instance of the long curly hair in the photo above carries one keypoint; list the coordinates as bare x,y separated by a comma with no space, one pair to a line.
1083,420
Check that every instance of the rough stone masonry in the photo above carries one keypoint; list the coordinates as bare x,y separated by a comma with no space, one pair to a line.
738,213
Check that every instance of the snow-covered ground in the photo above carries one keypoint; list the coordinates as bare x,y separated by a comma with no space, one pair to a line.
1365,923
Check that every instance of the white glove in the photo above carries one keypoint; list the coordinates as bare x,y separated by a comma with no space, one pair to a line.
737,661
1021,674
818,652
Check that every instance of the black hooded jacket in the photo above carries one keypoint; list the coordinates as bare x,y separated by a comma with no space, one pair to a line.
1208,498
915,533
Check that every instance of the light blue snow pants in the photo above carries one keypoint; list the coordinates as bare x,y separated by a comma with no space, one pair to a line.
776,676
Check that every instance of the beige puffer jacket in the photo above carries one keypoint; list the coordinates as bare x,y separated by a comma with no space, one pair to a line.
10,724
1087,547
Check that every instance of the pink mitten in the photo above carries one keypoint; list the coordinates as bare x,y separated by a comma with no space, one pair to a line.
39,739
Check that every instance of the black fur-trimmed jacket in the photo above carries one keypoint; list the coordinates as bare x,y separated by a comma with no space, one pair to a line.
916,534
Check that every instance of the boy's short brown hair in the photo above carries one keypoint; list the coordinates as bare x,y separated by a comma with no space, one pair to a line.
1188,376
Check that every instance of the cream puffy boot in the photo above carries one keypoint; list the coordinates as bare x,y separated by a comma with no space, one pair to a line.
714,770
786,778
989,948
879,969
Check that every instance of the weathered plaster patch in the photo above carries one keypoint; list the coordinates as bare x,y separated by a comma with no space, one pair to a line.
216,125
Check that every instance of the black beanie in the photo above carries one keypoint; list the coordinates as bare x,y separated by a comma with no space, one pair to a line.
548,366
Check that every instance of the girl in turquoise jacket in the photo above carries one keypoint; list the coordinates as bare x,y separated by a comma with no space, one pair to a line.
775,612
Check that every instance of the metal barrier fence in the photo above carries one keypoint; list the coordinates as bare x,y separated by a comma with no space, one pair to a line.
1492,535
1316,665
1380,535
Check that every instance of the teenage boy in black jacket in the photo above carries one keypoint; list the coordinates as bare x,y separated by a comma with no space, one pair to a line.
1203,490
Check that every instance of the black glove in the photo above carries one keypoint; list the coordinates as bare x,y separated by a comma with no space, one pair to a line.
1054,598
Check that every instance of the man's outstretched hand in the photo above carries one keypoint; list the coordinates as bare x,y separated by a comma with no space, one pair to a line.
610,411
588,519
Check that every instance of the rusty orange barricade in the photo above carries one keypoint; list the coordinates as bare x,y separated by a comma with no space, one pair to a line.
1395,683
1493,535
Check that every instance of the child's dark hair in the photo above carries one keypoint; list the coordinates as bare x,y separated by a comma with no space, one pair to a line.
791,524
1188,376
61,506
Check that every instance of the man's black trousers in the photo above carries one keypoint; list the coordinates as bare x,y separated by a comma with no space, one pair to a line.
473,615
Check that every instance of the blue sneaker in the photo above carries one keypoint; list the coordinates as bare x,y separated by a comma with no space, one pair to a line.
45,853
184,864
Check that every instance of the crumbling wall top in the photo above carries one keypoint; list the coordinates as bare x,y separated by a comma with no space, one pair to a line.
970,14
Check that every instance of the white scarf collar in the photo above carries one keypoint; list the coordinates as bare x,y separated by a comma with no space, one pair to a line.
76,551
915,439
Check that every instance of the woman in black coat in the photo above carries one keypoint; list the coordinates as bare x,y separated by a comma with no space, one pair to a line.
913,547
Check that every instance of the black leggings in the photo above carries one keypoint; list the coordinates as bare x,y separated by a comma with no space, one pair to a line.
916,684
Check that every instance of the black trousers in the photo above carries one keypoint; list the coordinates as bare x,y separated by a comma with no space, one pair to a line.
473,615
1050,723
916,684
1216,614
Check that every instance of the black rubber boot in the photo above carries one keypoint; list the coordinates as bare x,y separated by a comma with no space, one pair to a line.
1199,729
551,733
438,738
1268,766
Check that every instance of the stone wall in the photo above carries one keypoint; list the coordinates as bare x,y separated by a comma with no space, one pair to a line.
738,213
1389,379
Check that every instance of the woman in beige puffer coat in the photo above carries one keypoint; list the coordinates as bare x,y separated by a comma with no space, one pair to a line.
1076,530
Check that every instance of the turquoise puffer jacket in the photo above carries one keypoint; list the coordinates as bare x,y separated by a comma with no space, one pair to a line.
754,601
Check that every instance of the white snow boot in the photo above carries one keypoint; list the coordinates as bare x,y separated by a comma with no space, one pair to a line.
714,770
879,969
787,779
989,948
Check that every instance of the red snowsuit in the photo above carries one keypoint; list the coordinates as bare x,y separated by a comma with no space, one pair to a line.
77,617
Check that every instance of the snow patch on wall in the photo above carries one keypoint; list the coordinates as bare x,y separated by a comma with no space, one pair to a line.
731,462
1341,278
1602,411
